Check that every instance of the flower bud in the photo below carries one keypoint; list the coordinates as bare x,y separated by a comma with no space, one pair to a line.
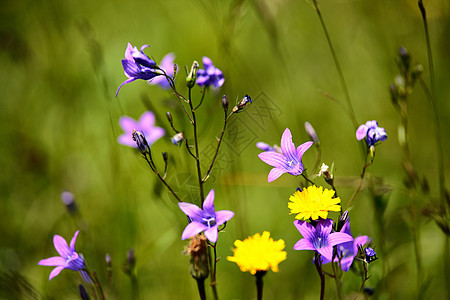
178,138
197,249
225,103
243,104
69,201
404,59
83,293
416,73
169,117
342,220
312,133
371,255
165,156
108,260
192,76
141,141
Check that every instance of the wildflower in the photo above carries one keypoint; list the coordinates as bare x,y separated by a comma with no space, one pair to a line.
371,132
289,161
206,219
145,126
178,138
312,133
371,255
69,201
210,75
347,251
258,253
264,146
243,104
167,66
320,238
313,202
137,65
68,258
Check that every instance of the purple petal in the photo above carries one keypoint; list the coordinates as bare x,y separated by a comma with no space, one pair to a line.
264,146
326,252
346,227
55,272
339,238
324,227
146,121
127,140
128,124
274,174
192,229
129,52
274,159
208,204
288,147
74,239
211,234
296,170
154,134
123,83
223,216
52,261
305,229
302,149
346,262
192,211
207,62
361,132
61,246
360,240
304,244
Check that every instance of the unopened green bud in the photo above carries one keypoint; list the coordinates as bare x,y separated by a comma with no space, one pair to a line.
225,103
165,156
192,76
169,117
416,73
404,59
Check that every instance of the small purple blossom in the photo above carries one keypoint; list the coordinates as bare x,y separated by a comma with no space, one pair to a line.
68,258
320,238
264,146
145,125
167,66
348,250
289,161
137,65
206,219
371,255
371,132
210,75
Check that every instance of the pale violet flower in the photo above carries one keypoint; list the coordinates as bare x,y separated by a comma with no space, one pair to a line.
371,132
145,125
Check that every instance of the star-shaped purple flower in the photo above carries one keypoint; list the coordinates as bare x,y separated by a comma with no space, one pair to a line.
207,220
371,132
320,238
210,75
167,66
348,250
137,65
68,258
289,161
146,124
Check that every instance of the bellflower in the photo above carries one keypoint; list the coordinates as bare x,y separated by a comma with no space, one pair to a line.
167,66
137,65
320,238
210,75
206,219
146,125
289,161
68,258
348,250
371,132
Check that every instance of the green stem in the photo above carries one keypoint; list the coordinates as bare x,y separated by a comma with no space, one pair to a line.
337,279
361,180
338,67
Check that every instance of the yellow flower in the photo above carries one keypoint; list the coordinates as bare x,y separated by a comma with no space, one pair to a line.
258,253
313,203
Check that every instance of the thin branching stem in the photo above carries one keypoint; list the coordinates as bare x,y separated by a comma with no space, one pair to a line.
318,264
153,167
361,180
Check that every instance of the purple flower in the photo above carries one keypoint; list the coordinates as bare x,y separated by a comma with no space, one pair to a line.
210,75
137,65
207,220
371,132
320,238
145,125
167,66
264,146
348,250
289,161
68,258
371,255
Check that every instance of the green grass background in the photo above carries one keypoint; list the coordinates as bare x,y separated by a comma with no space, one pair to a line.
60,68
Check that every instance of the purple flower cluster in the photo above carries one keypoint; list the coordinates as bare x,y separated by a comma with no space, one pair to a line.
137,65
288,161
371,132
206,219
68,259
210,75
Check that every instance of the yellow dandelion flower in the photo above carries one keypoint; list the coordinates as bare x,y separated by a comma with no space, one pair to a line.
258,253
313,202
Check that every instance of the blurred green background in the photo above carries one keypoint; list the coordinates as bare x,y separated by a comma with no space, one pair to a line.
60,68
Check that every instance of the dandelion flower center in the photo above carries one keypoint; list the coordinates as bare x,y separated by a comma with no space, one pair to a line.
313,202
